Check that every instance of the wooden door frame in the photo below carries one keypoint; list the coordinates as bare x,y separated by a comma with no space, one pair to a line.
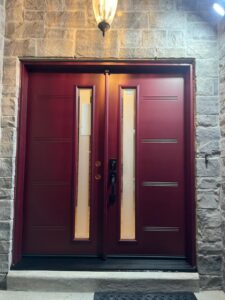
186,67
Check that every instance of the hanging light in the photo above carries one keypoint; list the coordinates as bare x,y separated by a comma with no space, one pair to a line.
104,11
219,8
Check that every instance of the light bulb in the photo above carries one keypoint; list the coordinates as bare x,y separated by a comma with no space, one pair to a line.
219,9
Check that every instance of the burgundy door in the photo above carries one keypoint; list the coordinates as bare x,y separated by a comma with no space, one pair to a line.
155,142
143,210
52,168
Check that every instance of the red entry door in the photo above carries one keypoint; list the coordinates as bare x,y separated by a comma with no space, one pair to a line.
64,111
66,210
146,136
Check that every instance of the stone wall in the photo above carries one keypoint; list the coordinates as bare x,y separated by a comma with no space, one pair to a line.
141,29
222,123
3,239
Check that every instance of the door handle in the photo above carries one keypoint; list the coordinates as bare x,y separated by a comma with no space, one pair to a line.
112,180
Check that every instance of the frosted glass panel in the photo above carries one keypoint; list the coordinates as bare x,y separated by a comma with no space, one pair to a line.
127,230
82,210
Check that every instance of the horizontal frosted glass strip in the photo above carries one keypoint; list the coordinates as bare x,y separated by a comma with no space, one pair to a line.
82,210
159,141
127,230
160,183
163,229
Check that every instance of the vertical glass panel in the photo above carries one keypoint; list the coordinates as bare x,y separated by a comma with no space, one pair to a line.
127,230
82,210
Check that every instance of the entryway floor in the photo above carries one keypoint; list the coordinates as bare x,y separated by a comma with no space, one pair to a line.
9,295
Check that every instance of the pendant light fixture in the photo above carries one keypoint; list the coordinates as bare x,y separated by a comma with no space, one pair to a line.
104,11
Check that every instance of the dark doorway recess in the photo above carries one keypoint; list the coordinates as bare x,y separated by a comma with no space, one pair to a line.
105,166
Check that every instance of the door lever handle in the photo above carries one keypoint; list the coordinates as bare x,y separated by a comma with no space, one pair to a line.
112,180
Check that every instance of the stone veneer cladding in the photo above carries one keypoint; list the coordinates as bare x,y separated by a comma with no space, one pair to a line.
145,29
3,239
221,39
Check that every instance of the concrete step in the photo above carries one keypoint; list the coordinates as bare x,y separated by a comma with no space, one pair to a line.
12,295
89,282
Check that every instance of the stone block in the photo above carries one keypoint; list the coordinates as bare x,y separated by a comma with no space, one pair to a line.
207,134
207,68
201,31
130,20
210,264
9,90
130,38
6,194
212,169
207,105
59,33
11,75
154,38
20,47
207,120
209,248
137,53
5,167
9,4
8,135
208,199
176,39
205,86
4,263
193,17
208,218
74,19
169,53
208,183
9,106
209,237
126,5
155,5
24,30
54,5
9,122
5,183
15,13
208,140
216,87
34,4
55,48
199,49
210,282
167,20
76,4
5,230
2,20
6,211
32,16
91,43
5,247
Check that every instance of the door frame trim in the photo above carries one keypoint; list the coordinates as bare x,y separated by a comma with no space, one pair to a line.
181,66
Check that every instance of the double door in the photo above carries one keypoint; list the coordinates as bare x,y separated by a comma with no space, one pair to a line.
105,165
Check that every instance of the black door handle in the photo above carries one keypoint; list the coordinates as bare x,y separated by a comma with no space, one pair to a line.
112,180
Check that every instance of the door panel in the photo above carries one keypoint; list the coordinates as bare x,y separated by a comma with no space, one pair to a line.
52,163
159,170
